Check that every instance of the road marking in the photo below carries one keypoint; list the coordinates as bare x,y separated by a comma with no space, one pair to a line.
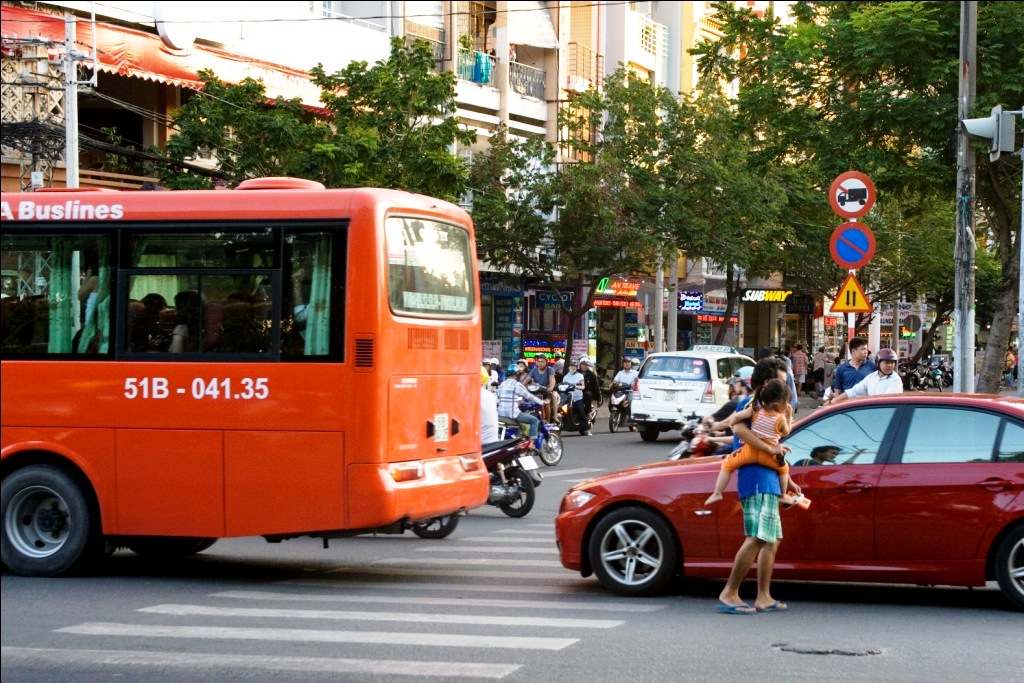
549,549
607,606
252,662
390,638
565,588
477,561
407,617
527,532
460,573
578,470
546,538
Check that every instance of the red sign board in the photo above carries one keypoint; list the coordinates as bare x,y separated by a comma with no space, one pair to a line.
617,303
852,194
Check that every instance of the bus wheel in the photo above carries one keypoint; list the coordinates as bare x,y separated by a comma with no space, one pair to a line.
438,527
49,527
167,547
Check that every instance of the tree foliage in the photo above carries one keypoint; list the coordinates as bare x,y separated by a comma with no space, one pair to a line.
873,86
390,124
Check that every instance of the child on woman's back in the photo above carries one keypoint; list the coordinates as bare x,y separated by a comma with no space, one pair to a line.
770,415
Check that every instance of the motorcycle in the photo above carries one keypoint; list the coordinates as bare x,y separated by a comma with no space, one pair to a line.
696,441
619,402
548,443
567,417
513,480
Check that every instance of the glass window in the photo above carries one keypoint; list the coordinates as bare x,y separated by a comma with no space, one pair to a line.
214,249
1011,446
56,294
429,268
851,437
950,435
312,315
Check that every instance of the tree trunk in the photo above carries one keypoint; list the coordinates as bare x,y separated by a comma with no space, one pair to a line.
994,364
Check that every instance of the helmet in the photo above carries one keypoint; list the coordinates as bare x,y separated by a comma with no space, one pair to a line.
584,359
885,354
512,368
494,361
558,354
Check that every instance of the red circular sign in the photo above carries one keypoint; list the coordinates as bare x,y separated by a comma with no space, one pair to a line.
852,194
852,245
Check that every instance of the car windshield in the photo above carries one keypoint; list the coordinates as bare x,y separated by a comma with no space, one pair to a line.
675,368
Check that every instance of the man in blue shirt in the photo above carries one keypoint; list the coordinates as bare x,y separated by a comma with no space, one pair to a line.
850,373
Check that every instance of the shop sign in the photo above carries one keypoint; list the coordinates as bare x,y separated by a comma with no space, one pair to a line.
715,301
535,342
691,301
716,318
496,286
617,303
550,300
830,321
766,295
615,287
800,304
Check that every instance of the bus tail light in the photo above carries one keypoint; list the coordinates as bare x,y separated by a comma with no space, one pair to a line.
471,464
406,471
709,393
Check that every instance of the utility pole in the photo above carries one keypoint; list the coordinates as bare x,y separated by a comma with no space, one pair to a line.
70,102
963,311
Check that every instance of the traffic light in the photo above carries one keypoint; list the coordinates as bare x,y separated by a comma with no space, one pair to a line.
996,128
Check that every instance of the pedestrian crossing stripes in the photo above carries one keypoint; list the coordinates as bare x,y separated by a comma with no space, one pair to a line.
509,595
446,670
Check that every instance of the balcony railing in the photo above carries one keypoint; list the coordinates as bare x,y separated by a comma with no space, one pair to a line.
526,80
585,64
433,36
475,66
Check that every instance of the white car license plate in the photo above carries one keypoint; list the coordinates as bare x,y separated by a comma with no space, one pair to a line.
528,462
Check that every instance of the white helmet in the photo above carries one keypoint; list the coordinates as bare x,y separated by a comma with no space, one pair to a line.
584,359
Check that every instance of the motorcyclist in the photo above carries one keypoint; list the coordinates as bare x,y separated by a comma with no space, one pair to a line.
488,410
510,392
626,376
575,379
591,386
543,375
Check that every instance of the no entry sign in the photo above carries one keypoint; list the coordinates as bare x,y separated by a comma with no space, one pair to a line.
852,245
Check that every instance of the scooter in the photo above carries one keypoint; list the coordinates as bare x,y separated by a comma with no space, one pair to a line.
513,478
548,443
696,441
567,417
619,402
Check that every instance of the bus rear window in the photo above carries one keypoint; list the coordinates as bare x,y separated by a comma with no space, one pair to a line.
429,268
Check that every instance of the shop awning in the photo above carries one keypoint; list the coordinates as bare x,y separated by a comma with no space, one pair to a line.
129,52
530,24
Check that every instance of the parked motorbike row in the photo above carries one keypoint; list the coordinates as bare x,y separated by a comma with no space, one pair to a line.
926,374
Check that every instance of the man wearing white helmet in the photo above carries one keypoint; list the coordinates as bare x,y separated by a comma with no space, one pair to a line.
591,386
495,376
883,381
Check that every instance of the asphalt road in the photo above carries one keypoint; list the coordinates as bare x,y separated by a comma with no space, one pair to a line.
491,602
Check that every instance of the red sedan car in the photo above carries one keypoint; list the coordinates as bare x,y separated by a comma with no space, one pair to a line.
904,489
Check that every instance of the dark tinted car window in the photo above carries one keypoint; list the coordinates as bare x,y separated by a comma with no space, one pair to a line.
857,433
950,435
1011,447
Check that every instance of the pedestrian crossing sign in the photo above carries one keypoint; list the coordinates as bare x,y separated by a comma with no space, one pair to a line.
851,298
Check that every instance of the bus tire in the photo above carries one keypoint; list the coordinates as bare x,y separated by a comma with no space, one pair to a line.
50,526
167,547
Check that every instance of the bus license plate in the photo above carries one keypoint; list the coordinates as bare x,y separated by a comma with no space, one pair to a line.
528,462
440,427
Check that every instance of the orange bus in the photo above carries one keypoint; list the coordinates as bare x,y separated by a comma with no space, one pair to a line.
278,360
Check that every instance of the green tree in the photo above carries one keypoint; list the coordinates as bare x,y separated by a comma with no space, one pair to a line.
391,124
394,125
873,86
571,226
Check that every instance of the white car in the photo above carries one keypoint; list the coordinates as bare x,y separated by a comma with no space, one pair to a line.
676,385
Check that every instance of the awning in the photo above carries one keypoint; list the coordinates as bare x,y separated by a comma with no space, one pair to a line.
128,52
530,24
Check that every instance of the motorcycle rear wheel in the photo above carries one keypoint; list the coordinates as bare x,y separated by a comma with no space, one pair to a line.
551,450
438,527
523,503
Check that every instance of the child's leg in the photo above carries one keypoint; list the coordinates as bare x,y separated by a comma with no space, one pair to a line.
786,498
720,484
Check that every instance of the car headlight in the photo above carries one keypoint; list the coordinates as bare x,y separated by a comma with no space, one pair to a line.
574,500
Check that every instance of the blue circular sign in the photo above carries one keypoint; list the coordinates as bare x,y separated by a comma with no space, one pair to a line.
852,245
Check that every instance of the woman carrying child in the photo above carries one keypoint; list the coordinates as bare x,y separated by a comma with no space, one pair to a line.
770,415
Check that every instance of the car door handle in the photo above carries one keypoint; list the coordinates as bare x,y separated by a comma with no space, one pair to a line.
995,484
855,487
701,513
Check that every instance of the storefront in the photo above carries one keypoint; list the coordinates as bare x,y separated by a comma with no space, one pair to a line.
763,317
617,329
501,306
702,315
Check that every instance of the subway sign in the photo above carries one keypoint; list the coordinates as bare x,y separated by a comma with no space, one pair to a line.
768,296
